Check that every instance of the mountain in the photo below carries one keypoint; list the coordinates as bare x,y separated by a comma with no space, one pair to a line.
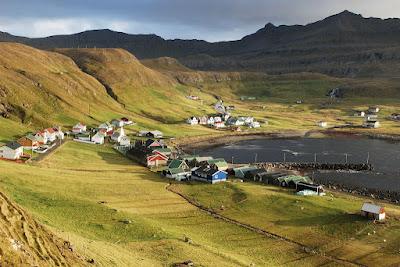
345,44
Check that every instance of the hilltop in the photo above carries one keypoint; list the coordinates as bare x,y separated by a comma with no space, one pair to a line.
345,45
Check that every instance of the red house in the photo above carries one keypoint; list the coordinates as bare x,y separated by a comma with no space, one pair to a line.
157,159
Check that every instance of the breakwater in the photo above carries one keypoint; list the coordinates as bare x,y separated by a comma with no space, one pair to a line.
299,166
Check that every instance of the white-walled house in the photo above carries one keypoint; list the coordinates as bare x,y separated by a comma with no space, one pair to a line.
59,134
255,124
106,126
125,141
193,121
372,124
117,136
98,138
126,121
210,121
322,124
79,128
11,151
373,211
51,134
42,137
219,125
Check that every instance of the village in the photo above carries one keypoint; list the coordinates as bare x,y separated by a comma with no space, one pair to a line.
224,119
150,149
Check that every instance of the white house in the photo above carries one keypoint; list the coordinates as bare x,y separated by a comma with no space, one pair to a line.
106,126
125,141
322,124
247,120
193,121
255,124
51,134
126,121
359,114
59,134
203,120
12,151
210,121
217,119
79,128
372,124
374,109
42,137
219,125
235,121
373,211
98,138
117,136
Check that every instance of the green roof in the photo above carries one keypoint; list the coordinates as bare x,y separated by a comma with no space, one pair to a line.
295,179
176,163
218,162
163,150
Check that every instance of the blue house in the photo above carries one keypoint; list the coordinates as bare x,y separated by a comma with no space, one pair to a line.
209,175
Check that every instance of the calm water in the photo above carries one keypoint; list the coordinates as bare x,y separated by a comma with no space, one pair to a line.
383,155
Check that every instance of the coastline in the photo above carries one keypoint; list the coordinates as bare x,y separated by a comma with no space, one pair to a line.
209,141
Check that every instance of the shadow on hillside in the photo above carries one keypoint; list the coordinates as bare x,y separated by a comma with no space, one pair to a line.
339,219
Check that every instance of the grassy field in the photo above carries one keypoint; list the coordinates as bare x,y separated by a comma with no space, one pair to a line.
330,224
121,214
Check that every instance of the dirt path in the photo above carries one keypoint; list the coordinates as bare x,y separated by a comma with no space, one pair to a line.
263,232
24,242
41,157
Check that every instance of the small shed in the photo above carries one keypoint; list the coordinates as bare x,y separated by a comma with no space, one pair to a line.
373,211
240,172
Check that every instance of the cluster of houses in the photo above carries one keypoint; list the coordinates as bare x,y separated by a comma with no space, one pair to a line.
223,118
302,184
370,116
106,130
156,154
395,117
39,142
224,121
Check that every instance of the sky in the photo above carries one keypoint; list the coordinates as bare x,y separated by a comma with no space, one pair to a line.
211,20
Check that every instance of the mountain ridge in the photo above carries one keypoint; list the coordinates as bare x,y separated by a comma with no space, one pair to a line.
344,44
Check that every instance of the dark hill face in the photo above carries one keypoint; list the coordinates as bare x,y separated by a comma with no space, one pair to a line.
345,44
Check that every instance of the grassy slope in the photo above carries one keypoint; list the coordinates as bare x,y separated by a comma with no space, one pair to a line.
154,98
47,88
331,224
64,191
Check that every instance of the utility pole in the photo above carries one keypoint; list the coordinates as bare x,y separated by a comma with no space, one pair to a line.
368,158
284,157
315,158
255,158
232,159
347,158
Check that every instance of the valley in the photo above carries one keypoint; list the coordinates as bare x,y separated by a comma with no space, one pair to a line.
86,204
